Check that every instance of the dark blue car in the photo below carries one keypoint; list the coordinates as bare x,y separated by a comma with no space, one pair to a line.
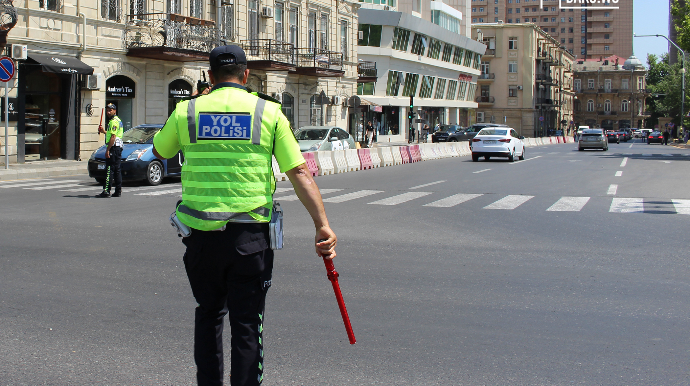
138,161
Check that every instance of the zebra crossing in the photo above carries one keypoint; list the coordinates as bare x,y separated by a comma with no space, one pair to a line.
427,199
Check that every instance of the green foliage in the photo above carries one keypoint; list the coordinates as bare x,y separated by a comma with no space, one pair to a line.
681,12
664,83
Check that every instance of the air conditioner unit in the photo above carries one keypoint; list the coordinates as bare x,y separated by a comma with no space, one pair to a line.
386,8
360,35
18,51
267,12
94,82
277,96
519,87
337,100
480,117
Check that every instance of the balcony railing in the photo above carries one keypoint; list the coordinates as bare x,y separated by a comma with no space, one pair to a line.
608,90
607,112
269,54
367,70
311,61
545,101
170,36
487,76
490,52
485,99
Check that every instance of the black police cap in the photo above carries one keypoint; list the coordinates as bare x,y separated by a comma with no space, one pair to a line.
225,55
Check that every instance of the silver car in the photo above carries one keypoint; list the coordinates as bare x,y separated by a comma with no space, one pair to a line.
321,138
593,139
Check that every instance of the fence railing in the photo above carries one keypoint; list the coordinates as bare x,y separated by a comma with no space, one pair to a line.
485,99
367,69
312,57
170,30
269,49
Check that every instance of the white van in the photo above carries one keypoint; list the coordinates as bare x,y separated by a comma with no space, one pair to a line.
580,128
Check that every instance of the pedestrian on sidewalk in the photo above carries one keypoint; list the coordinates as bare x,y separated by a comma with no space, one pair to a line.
666,134
113,153
227,201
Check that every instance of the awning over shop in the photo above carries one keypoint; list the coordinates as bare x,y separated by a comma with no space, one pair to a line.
61,64
365,102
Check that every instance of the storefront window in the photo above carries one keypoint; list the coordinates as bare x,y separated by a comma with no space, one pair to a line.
365,88
177,89
43,115
120,91
315,117
288,108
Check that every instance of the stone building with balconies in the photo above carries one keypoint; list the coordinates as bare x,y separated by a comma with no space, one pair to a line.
144,55
525,80
611,93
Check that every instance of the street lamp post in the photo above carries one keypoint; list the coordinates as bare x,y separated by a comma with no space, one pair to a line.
682,71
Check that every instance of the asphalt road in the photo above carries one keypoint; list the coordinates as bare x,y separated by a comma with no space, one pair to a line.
550,271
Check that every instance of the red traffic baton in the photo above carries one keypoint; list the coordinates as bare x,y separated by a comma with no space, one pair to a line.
333,277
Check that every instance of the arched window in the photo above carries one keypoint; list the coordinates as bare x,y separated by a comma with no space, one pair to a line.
288,108
590,105
625,106
607,105
315,118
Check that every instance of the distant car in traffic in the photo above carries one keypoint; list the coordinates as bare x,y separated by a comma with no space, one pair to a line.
593,139
444,132
498,142
655,137
468,133
622,135
612,136
321,138
138,161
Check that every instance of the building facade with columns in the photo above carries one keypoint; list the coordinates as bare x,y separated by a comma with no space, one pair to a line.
526,79
413,57
144,55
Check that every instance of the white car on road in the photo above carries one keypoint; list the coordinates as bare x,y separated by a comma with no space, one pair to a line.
498,142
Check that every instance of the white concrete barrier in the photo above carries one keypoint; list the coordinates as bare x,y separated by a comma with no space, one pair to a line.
324,162
385,155
397,157
425,152
339,162
276,171
465,149
453,149
352,160
375,159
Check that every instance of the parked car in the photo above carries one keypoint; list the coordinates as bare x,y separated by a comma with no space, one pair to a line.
444,132
612,136
469,133
498,142
320,138
622,135
656,137
593,139
138,161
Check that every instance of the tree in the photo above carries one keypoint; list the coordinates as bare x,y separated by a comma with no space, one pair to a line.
680,9
664,84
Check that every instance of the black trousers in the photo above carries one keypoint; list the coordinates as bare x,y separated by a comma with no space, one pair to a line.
230,273
113,173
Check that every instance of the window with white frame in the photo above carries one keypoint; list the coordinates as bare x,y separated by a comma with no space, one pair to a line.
513,66
607,105
343,38
196,9
590,84
323,33
512,91
578,85
452,86
253,21
110,10
278,21
137,9
625,84
311,30
293,27
227,30
607,84
49,5
590,105
315,117
440,89
640,83
625,106
513,43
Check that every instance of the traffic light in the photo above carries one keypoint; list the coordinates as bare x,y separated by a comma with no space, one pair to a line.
410,113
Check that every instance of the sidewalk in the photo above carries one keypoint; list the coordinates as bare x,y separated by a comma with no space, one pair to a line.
40,169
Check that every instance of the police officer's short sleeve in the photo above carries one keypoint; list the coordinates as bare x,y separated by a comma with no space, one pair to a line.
286,147
166,142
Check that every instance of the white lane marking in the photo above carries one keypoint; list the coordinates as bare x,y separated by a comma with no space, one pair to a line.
569,204
552,153
37,184
160,192
293,197
629,147
53,187
509,202
282,190
682,206
524,160
400,198
429,184
125,190
666,162
619,173
95,188
627,205
2,183
481,171
624,162
668,155
352,196
613,188
452,200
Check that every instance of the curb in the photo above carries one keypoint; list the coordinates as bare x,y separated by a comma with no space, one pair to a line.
19,173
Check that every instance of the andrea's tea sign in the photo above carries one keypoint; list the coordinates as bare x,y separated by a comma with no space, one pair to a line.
119,86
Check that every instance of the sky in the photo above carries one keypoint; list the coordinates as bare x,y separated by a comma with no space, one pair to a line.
650,17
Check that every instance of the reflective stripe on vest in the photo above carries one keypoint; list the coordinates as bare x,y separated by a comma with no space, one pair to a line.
227,180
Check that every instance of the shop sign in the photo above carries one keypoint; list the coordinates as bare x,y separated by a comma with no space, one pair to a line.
119,86
12,109
378,109
466,78
179,89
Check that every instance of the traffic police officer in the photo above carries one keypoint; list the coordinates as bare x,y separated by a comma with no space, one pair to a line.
228,137
113,153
